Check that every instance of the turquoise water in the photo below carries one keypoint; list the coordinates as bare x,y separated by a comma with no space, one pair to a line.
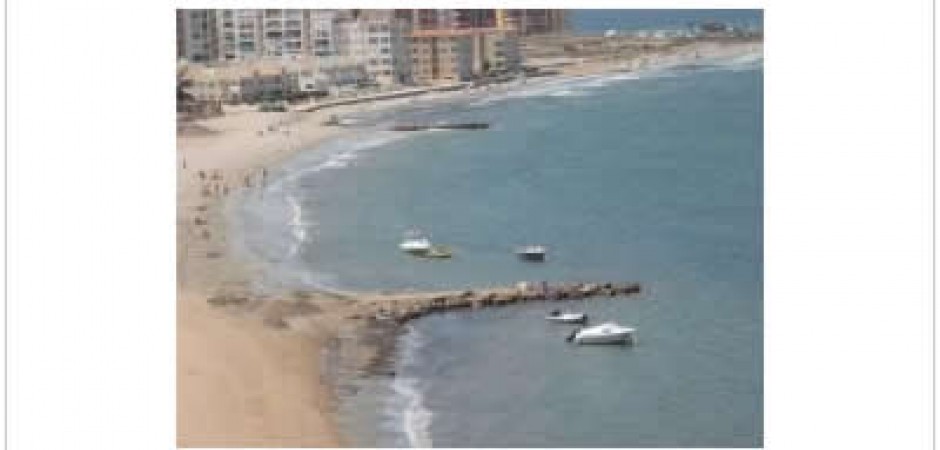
653,178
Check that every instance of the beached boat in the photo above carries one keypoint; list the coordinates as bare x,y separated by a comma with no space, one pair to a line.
566,317
415,243
532,252
608,333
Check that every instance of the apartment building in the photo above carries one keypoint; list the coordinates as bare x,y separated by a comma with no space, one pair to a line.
534,21
441,56
284,32
393,46
495,51
429,19
196,35
380,43
476,18
240,33
323,33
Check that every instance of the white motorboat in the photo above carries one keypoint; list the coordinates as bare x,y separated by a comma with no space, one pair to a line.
415,243
532,252
608,333
566,317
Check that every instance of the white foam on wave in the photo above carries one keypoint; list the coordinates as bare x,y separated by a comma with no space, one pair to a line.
748,61
339,154
568,93
331,164
298,228
415,416
581,86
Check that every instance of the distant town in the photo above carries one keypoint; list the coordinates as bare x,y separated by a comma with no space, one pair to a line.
278,56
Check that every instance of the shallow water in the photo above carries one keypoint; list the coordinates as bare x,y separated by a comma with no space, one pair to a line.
653,178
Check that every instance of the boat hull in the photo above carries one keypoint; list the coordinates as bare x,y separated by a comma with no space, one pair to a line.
532,257
604,334
568,318
613,338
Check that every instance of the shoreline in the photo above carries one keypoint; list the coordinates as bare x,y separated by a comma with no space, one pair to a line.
248,398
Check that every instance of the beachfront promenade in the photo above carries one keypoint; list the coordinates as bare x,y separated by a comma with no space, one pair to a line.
399,93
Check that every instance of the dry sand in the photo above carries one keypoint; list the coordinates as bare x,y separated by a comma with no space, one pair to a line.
244,384
250,374
240,383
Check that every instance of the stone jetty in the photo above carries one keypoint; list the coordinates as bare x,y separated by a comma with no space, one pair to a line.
402,308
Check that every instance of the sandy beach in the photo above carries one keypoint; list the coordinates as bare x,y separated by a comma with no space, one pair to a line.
250,367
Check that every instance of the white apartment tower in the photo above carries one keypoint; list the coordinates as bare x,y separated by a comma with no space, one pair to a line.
284,32
374,39
240,34
323,33
196,35
380,43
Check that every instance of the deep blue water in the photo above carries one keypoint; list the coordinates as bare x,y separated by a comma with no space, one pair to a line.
656,179
595,21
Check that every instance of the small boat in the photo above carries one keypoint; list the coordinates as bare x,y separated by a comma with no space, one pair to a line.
437,252
608,333
415,243
532,253
566,317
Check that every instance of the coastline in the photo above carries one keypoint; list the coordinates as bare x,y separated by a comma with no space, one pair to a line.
250,373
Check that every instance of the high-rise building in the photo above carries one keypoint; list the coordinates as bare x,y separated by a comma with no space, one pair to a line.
391,46
323,32
476,18
240,33
284,33
196,35
440,56
536,21
495,51
381,43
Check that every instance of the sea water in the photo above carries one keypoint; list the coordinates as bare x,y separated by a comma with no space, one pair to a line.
652,177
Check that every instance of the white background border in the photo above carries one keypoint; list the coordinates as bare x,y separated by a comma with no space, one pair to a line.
848,220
